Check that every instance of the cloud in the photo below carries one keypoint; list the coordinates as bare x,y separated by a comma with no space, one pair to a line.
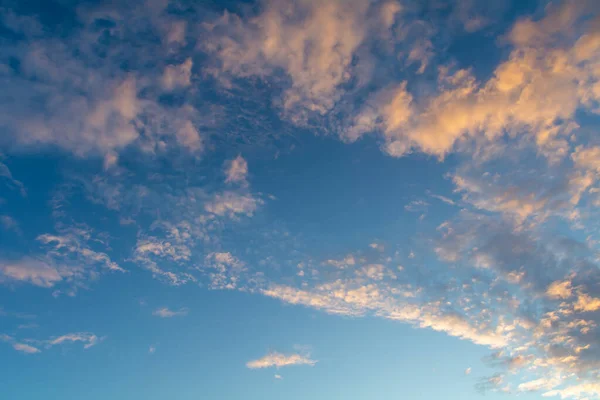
237,170
511,273
357,299
279,360
25,348
30,270
73,242
547,90
177,75
6,174
189,137
74,92
231,204
224,270
88,339
165,312
559,290
312,42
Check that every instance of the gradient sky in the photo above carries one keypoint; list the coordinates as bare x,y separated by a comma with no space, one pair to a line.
345,199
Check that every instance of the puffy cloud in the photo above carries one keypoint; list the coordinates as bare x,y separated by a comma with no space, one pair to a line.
25,348
312,42
537,384
535,93
388,110
559,290
279,360
237,170
94,98
189,137
587,303
231,204
581,391
587,158
31,271
165,312
176,76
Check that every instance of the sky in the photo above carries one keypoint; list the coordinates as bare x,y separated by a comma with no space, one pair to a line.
277,199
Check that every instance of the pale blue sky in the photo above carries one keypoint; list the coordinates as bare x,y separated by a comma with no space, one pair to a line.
298,199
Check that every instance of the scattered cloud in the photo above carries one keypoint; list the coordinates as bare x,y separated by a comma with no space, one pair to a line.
33,346
511,266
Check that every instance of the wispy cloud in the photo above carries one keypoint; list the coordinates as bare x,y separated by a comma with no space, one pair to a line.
279,360
25,348
33,346
165,312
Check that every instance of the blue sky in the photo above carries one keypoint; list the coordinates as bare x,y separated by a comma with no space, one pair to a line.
351,199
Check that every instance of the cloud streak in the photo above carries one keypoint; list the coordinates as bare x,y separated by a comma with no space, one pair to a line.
280,360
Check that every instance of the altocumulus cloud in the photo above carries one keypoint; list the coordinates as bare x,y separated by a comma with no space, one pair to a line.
513,265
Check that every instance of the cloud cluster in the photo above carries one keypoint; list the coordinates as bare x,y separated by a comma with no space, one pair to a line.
514,269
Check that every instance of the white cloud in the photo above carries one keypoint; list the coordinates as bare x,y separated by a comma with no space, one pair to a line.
231,204
224,270
237,170
31,271
547,90
311,41
165,312
279,360
88,339
25,348
73,242
357,299
581,391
